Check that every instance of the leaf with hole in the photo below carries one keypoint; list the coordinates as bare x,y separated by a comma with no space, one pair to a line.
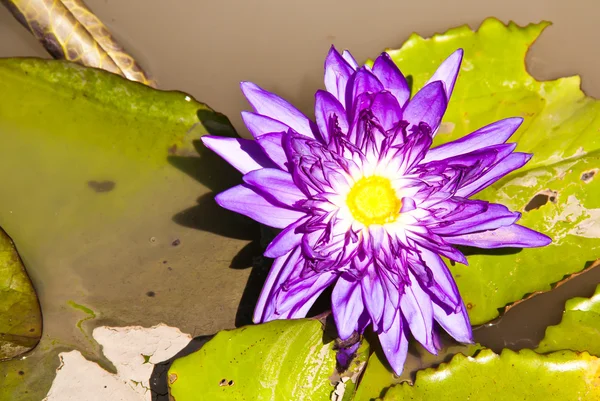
557,191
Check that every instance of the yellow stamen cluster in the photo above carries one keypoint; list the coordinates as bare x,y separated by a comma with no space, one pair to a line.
372,200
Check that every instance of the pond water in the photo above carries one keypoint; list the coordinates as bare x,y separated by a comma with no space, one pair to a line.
174,261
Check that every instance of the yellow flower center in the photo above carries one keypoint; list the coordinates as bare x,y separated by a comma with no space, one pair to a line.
372,200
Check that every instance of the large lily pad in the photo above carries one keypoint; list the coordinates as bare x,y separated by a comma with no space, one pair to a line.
20,317
579,329
111,206
524,375
557,191
282,360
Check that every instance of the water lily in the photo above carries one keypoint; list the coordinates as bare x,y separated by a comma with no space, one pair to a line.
367,206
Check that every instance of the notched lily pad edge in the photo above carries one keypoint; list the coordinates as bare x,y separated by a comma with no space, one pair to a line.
566,279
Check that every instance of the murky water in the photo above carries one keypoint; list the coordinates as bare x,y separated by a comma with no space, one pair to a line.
205,49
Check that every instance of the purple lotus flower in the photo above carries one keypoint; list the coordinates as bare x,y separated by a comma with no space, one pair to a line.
366,205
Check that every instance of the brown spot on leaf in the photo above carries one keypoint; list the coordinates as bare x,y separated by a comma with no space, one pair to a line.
172,378
172,149
587,176
176,242
102,186
540,199
469,306
151,294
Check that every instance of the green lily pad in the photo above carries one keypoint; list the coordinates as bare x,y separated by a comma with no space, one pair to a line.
378,376
557,191
110,200
20,316
579,329
283,360
523,375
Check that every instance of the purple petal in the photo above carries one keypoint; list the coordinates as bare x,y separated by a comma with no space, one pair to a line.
271,105
494,217
510,163
395,344
363,81
511,236
259,125
337,73
493,134
346,305
372,294
392,79
285,241
417,309
294,301
455,323
437,244
428,106
246,201
327,110
243,154
275,185
445,287
280,270
350,59
272,146
386,109
448,71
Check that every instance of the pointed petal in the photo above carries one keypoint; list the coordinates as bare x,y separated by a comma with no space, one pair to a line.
428,106
327,110
275,185
445,288
417,309
493,134
373,296
386,109
394,343
448,71
392,79
362,81
511,236
337,73
294,301
271,105
455,323
285,241
259,125
494,217
350,59
280,270
346,306
243,154
272,146
244,200
510,163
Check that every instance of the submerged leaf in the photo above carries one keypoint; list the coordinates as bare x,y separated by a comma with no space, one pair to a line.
69,30
524,375
282,360
557,191
579,329
112,207
20,316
